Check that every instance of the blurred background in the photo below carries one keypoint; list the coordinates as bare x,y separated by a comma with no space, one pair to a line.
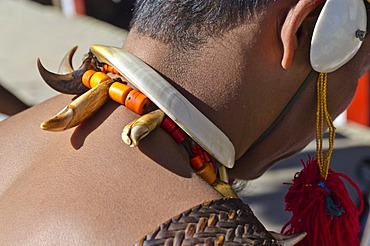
49,28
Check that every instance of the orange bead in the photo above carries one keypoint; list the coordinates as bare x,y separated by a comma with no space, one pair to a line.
136,101
106,67
118,92
110,69
207,173
86,77
97,78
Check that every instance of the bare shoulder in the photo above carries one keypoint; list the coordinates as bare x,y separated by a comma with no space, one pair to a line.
23,140
84,184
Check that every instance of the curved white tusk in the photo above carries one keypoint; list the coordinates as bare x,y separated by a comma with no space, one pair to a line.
66,63
138,129
172,102
80,109
288,240
335,39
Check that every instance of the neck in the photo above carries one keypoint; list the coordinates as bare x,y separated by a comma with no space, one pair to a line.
222,81
201,77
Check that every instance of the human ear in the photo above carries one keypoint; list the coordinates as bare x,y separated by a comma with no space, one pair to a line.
294,19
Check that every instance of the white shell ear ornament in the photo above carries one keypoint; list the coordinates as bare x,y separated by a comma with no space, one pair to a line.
337,37
338,34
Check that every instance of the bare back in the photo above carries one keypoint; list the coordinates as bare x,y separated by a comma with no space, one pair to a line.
85,184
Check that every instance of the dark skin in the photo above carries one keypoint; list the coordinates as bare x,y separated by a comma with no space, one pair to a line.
85,185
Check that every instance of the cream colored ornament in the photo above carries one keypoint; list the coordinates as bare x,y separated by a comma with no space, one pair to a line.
138,129
168,99
79,109
338,34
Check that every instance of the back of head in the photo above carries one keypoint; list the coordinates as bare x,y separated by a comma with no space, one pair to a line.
186,24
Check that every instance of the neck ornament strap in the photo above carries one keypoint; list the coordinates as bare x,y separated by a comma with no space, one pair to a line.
323,116
289,105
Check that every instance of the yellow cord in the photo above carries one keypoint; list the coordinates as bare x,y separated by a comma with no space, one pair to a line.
322,117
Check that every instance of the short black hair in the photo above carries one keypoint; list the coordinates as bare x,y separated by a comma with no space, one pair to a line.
187,23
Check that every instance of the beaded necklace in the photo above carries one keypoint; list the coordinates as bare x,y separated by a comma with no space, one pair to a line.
118,90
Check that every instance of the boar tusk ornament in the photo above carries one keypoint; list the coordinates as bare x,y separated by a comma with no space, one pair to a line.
66,63
79,109
68,82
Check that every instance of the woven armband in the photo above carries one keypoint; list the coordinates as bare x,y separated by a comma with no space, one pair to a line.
220,222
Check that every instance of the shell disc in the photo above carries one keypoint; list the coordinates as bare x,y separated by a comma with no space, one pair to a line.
334,40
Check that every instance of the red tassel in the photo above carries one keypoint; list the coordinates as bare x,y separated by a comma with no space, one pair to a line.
322,208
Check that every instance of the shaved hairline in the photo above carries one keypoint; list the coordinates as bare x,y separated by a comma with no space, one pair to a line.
186,24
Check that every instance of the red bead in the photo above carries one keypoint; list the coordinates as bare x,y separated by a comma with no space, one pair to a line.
207,157
193,148
168,125
196,162
200,152
178,135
